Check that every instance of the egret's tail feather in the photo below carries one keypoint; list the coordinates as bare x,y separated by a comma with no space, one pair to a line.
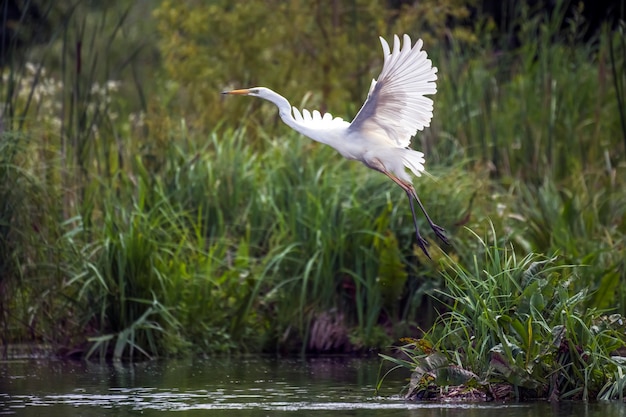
397,160
413,160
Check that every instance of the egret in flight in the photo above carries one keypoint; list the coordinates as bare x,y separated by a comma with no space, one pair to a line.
380,134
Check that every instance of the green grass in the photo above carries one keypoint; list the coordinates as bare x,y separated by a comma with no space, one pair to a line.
306,224
523,322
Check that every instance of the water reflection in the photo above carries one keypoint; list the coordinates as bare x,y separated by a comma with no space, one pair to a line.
242,387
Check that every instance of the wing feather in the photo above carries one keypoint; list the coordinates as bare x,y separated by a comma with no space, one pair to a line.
396,106
317,120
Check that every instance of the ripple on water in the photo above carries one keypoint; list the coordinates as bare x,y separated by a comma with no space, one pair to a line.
332,387
150,399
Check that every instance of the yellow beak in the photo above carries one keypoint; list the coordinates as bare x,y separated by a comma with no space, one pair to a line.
244,92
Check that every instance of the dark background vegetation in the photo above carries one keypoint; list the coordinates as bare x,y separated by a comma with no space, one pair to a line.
143,214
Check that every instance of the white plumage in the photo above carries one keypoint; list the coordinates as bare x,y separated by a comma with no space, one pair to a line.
395,109
396,106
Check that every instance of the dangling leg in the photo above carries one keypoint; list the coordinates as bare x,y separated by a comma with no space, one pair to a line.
421,242
439,231
410,191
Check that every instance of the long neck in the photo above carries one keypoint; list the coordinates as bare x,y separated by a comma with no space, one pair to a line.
285,112
284,108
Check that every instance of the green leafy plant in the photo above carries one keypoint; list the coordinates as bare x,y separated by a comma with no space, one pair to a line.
519,323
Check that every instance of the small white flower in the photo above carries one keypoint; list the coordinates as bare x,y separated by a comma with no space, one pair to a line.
95,88
31,68
113,85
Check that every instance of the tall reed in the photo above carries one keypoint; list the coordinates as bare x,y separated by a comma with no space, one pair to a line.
544,109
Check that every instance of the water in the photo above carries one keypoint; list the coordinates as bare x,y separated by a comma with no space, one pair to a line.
221,387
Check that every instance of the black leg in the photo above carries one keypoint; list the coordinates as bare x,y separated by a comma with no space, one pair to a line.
439,231
420,240
410,192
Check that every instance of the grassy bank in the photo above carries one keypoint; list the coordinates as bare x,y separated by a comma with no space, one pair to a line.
132,226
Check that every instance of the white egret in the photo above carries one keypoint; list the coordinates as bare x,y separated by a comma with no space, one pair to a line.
380,134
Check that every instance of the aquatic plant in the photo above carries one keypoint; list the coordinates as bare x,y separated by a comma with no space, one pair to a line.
522,323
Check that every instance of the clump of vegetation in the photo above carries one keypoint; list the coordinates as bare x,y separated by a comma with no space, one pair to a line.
516,328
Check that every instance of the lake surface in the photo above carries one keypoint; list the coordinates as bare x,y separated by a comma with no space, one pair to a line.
225,387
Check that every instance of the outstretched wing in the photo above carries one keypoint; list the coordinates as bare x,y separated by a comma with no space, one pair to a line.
396,106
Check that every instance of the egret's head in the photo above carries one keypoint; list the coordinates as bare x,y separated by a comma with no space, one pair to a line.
265,94
254,91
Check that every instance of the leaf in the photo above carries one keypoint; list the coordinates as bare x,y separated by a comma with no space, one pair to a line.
604,296
558,333
513,373
437,369
430,363
454,375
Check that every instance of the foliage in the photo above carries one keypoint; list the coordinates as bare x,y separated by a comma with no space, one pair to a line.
545,109
60,149
521,322
286,45
27,233
142,215
585,223
300,264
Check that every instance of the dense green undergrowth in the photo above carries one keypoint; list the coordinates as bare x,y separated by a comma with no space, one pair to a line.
131,225
516,328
